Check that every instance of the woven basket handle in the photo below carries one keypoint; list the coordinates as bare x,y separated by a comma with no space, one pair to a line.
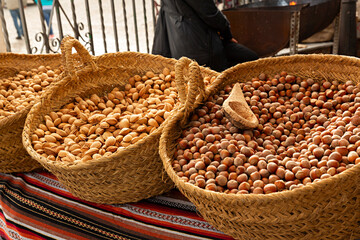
67,44
195,90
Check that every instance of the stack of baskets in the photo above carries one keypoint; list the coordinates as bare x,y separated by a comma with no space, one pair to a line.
130,174
328,209
13,156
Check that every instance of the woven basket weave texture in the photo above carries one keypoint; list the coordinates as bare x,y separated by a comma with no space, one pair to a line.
130,174
13,156
329,209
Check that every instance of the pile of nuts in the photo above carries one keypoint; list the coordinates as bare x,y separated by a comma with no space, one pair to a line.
90,128
308,131
16,93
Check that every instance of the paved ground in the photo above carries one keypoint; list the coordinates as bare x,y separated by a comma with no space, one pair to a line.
34,25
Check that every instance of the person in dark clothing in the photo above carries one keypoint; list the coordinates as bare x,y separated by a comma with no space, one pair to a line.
200,31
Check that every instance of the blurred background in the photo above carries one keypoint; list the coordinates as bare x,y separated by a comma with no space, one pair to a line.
271,27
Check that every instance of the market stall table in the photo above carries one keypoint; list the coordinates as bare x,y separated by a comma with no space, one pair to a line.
36,206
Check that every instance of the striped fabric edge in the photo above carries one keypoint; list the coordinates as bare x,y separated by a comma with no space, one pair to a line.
11,230
138,213
191,218
41,196
43,217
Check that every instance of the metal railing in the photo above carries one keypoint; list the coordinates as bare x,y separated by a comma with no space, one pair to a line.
101,25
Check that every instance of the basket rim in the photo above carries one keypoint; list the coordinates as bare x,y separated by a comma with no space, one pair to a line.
329,58
105,159
5,122
303,57
28,55
203,193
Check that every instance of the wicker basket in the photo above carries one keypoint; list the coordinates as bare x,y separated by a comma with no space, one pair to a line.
130,174
13,156
328,209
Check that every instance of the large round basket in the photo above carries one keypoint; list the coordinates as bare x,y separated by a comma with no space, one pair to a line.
328,209
13,156
130,174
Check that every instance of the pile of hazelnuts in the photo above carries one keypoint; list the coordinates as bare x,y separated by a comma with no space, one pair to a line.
308,131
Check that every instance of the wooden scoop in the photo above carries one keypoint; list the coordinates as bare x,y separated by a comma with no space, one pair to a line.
237,110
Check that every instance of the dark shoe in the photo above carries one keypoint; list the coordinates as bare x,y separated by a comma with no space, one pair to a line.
18,37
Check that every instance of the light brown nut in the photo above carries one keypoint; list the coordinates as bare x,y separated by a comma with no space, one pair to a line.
57,136
127,138
152,122
124,123
86,158
96,144
111,149
91,151
83,117
111,120
57,121
65,118
39,132
159,119
96,118
97,156
107,134
78,123
70,156
76,152
61,132
53,116
50,138
125,131
99,131
104,125
62,153
134,118
141,128
73,147
108,110
95,99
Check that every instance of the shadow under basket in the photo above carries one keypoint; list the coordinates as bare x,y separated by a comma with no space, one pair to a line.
328,209
130,174
13,156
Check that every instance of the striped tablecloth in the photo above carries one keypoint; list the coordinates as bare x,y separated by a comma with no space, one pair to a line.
36,206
